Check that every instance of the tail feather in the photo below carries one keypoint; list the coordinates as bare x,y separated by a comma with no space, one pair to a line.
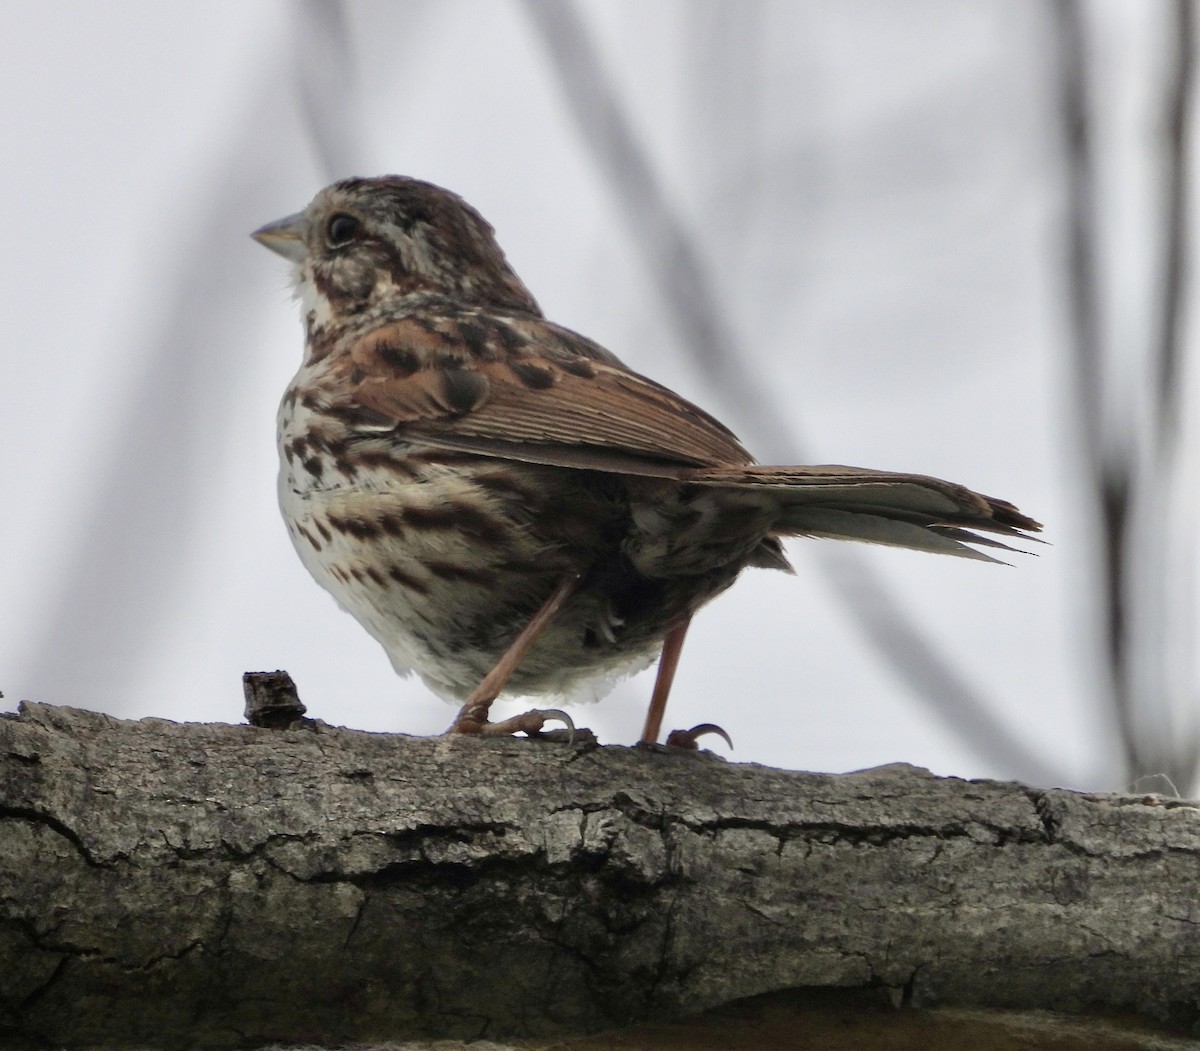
879,507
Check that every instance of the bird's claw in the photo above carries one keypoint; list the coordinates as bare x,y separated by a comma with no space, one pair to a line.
688,738
529,723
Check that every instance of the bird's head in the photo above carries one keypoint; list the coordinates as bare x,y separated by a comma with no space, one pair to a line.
368,243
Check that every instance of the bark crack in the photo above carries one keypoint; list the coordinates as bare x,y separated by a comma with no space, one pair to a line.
37,817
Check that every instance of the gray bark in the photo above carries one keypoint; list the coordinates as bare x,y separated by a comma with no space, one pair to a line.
212,885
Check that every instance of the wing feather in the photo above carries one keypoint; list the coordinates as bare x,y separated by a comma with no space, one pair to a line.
531,390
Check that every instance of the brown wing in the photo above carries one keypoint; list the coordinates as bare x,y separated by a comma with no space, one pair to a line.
524,389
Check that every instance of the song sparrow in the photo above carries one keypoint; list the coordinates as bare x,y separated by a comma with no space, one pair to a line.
500,501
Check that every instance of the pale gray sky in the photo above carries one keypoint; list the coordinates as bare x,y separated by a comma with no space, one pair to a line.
874,189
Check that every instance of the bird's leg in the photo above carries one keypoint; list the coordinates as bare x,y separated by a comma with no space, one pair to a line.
667,663
472,718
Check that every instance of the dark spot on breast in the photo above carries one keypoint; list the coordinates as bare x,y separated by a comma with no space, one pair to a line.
315,466
369,459
577,367
391,525
463,389
451,572
323,529
320,341
503,482
375,575
456,517
316,544
475,523
401,360
408,580
435,519
533,374
359,528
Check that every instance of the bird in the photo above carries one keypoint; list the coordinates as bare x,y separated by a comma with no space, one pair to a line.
501,502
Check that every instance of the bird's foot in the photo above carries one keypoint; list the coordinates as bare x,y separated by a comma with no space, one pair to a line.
530,723
689,738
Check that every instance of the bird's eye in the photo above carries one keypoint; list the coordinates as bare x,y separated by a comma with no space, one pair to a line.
341,229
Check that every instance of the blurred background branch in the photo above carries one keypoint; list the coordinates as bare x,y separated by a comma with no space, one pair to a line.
1142,574
324,68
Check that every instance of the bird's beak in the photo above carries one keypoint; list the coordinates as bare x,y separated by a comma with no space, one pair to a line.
285,236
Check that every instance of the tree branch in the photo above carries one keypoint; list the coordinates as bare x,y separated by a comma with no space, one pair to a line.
189,884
